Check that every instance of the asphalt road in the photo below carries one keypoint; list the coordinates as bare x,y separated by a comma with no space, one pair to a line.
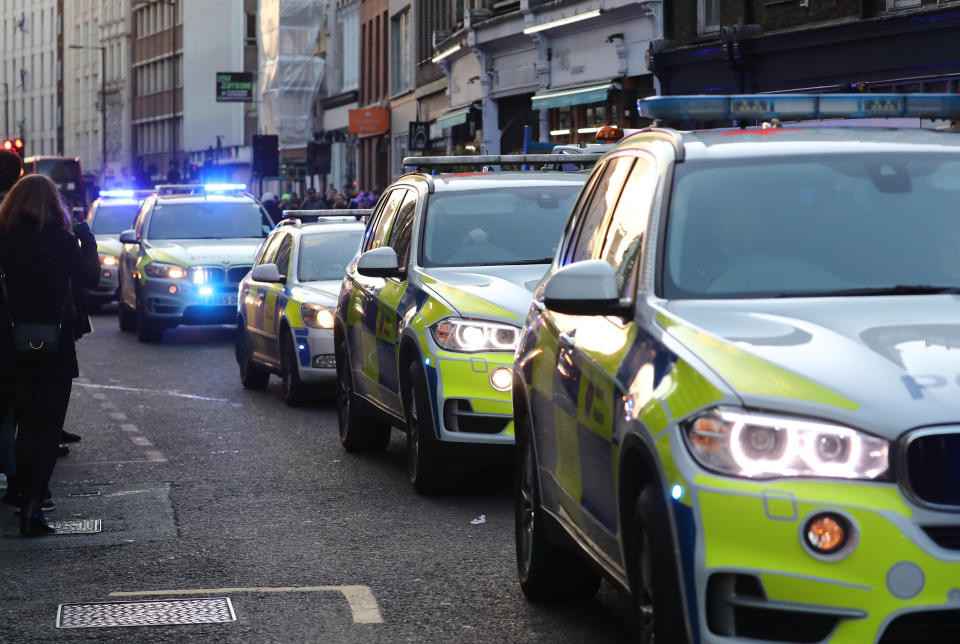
207,490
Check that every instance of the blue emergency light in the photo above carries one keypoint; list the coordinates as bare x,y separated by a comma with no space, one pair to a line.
117,194
793,107
225,187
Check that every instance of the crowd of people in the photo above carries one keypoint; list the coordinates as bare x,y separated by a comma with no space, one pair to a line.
312,200
43,272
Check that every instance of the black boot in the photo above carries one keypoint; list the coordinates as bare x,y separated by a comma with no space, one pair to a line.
32,523
12,497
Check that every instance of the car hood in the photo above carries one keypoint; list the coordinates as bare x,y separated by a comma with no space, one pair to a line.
109,244
324,292
884,363
187,252
491,292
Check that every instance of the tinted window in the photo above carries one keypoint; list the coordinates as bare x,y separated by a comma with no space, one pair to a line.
813,225
595,210
324,256
207,221
624,236
269,250
403,228
377,235
492,226
113,219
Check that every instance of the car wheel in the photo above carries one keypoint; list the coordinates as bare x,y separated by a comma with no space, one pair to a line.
126,317
358,433
546,571
252,376
148,329
655,588
425,467
294,391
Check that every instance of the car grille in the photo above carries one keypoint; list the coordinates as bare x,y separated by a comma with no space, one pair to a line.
926,626
932,473
207,275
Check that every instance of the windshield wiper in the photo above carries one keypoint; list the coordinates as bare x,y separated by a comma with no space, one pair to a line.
899,289
547,260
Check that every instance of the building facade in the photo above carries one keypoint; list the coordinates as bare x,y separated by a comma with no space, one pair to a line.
31,55
339,94
373,98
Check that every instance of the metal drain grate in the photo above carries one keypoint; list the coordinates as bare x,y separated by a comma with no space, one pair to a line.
76,526
213,610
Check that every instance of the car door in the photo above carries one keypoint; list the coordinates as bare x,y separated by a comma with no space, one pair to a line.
558,377
364,320
274,299
252,299
601,344
130,258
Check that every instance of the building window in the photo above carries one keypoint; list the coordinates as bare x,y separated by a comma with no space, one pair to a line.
903,4
401,65
251,36
708,16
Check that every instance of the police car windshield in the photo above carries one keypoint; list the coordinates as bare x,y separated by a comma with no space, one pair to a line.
113,219
838,224
207,220
496,226
324,256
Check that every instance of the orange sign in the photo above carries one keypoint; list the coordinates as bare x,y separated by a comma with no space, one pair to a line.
370,120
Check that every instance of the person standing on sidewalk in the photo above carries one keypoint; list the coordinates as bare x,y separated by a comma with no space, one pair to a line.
11,167
40,256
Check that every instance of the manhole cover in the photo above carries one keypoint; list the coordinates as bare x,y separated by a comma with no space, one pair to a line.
146,613
81,493
76,526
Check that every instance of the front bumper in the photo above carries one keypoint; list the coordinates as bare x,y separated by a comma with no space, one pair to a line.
187,305
106,289
467,407
315,355
749,574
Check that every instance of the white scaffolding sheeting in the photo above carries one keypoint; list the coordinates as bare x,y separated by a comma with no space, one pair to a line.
292,73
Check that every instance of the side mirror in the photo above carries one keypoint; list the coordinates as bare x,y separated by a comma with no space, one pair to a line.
129,237
586,288
380,262
266,273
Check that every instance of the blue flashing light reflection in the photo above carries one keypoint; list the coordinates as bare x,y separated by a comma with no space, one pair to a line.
302,346
224,187
206,290
123,194
426,361
676,492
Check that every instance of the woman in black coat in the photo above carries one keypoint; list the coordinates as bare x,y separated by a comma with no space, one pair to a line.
40,256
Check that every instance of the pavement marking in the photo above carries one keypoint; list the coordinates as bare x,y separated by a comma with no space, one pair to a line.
129,428
142,441
362,603
166,392
154,456
118,415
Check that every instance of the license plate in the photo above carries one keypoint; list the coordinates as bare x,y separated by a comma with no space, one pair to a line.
222,300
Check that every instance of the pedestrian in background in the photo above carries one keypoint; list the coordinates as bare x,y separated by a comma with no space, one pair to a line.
269,201
10,168
313,201
40,256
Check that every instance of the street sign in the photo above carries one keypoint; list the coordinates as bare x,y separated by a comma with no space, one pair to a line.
234,87
418,138
369,120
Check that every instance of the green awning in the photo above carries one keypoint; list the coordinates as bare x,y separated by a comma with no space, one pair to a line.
453,117
573,95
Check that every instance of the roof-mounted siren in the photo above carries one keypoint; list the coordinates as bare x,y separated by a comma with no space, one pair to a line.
794,107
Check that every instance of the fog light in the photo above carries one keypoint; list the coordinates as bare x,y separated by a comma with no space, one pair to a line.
501,378
172,289
827,533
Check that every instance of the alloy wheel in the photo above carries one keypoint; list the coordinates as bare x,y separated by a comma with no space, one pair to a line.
527,507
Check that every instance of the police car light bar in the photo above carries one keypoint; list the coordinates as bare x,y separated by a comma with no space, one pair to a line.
225,187
176,188
800,106
117,194
482,160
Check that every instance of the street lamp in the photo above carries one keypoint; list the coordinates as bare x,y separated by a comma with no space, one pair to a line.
103,100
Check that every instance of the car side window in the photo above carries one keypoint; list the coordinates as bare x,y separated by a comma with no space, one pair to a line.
384,219
269,250
596,210
402,230
624,236
283,254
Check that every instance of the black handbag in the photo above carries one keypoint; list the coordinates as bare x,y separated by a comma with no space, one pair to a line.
31,338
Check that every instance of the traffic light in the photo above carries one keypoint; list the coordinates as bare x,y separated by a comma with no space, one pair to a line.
14,145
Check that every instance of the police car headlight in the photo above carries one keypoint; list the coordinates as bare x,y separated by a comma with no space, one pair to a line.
169,271
316,316
767,446
108,260
472,335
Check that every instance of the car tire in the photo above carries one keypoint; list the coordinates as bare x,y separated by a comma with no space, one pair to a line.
425,466
295,393
656,603
547,572
252,375
358,433
126,317
148,329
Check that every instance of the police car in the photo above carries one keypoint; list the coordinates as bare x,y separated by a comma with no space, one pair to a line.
185,256
430,311
287,302
737,391
113,212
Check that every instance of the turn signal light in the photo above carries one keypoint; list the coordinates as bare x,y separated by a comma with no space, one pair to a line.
827,533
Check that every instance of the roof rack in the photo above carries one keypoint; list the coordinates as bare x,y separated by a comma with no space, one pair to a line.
486,160
299,217
125,193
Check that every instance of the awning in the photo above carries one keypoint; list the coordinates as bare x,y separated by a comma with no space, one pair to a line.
453,117
573,95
